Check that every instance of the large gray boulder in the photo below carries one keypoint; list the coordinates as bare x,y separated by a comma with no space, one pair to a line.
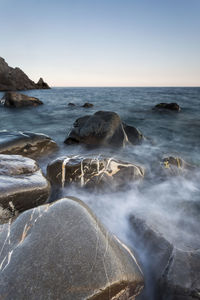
26,143
61,251
94,172
22,183
104,128
13,79
12,99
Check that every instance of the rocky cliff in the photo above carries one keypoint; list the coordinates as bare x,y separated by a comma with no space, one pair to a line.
12,79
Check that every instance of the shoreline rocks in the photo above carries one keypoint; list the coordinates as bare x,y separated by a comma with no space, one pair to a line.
22,183
62,251
13,79
95,172
26,143
104,128
13,100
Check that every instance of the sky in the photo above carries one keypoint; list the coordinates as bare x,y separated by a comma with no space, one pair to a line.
103,42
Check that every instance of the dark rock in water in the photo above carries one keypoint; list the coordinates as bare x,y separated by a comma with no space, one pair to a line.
174,264
104,128
176,166
26,143
13,79
61,251
13,99
88,105
71,104
167,106
41,84
22,184
93,172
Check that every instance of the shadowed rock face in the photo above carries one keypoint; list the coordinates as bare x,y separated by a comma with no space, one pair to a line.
61,251
104,128
12,79
94,172
167,106
174,264
26,143
42,85
22,184
13,99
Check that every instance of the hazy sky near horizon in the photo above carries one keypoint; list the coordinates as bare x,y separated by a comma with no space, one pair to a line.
103,42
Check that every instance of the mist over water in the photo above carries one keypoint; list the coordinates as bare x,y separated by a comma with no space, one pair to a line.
171,204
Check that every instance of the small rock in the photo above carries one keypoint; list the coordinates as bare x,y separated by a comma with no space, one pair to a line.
41,84
167,106
88,105
71,104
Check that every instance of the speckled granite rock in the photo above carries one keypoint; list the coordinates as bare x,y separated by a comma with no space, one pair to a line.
22,184
61,251
26,143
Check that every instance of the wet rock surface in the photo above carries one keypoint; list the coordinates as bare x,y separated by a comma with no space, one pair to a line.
95,172
61,251
12,99
174,166
173,258
22,183
167,106
26,143
13,79
87,105
104,128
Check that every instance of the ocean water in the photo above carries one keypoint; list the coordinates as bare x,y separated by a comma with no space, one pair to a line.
173,205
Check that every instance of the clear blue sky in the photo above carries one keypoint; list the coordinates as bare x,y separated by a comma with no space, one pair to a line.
103,42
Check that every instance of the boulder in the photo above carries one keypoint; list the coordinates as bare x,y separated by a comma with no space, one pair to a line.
167,106
12,79
12,99
22,183
95,172
87,105
26,143
173,166
42,85
104,128
61,251
71,104
171,256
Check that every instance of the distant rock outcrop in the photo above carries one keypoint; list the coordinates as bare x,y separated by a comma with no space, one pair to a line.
12,79
13,99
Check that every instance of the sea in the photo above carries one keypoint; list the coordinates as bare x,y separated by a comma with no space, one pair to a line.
171,205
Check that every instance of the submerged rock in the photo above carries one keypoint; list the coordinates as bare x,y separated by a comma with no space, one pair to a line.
96,172
71,104
167,106
88,105
61,251
13,99
104,128
13,79
172,257
26,143
22,184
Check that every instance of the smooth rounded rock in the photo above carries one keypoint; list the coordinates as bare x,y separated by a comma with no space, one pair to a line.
22,183
93,172
61,251
14,100
167,106
104,128
26,143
